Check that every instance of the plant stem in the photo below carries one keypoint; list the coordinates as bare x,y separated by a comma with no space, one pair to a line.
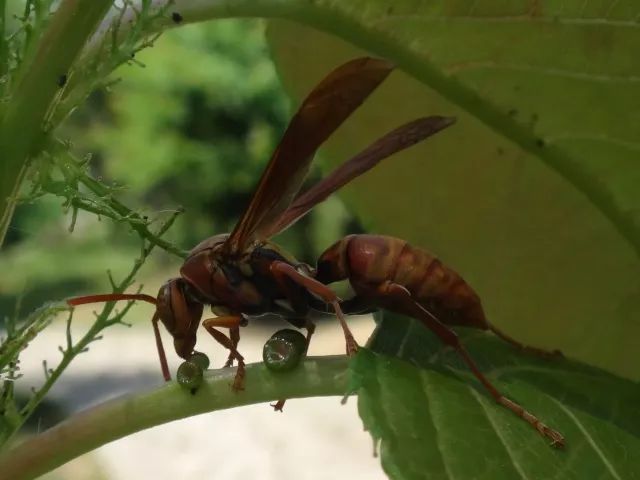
317,376
73,349
135,221
22,127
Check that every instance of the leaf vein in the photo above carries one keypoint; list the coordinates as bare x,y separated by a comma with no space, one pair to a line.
588,437
551,72
513,19
425,386
498,431
595,138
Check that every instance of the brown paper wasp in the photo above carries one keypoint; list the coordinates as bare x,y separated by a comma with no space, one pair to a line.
243,274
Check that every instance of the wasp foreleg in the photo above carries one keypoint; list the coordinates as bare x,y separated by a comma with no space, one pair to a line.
232,322
234,335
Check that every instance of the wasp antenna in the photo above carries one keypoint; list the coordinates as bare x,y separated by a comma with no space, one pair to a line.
111,297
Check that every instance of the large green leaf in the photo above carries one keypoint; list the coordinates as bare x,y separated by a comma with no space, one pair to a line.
532,196
430,425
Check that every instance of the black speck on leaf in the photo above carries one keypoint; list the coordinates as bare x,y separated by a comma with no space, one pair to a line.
62,80
176,17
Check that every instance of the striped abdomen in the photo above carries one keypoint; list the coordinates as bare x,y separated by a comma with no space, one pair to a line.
371,260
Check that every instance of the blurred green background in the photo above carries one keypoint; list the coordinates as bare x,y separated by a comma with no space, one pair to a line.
198,139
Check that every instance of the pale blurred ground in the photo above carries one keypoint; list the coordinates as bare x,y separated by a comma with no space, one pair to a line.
313,439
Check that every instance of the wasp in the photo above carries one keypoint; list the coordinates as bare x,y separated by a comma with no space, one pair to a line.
243,275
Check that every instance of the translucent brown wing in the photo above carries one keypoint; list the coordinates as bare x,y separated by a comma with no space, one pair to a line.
322,112
394,141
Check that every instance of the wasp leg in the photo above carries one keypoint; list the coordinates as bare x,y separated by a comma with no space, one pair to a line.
282,270
311,327
231,322
398,298
234,335
538,352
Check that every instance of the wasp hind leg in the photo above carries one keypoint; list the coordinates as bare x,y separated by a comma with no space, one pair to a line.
538,352
231,322
397,298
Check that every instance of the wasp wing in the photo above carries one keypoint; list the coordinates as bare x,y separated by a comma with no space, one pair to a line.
394,141
328,105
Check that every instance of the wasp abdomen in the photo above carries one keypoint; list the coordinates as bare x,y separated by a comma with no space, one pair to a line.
371,260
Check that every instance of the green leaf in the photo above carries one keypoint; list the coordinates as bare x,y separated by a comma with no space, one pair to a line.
532,196
433,420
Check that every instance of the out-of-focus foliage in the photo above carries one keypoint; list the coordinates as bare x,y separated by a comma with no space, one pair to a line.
190,122
195,125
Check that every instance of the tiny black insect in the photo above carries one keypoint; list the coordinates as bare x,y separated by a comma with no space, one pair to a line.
62,81
176,17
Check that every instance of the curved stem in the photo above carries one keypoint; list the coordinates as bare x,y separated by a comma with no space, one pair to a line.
85,431
135,221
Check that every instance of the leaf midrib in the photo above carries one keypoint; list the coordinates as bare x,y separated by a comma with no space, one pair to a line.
590,440
516,465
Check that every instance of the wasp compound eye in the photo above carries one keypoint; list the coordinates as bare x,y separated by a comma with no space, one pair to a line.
200,359
189,376
284,350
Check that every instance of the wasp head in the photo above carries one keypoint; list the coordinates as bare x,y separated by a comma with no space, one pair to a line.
180,313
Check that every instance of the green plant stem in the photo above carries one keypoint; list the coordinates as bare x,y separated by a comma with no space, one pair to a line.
17,339
135,221
317,376
333,19
73,349
22,127
138,224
